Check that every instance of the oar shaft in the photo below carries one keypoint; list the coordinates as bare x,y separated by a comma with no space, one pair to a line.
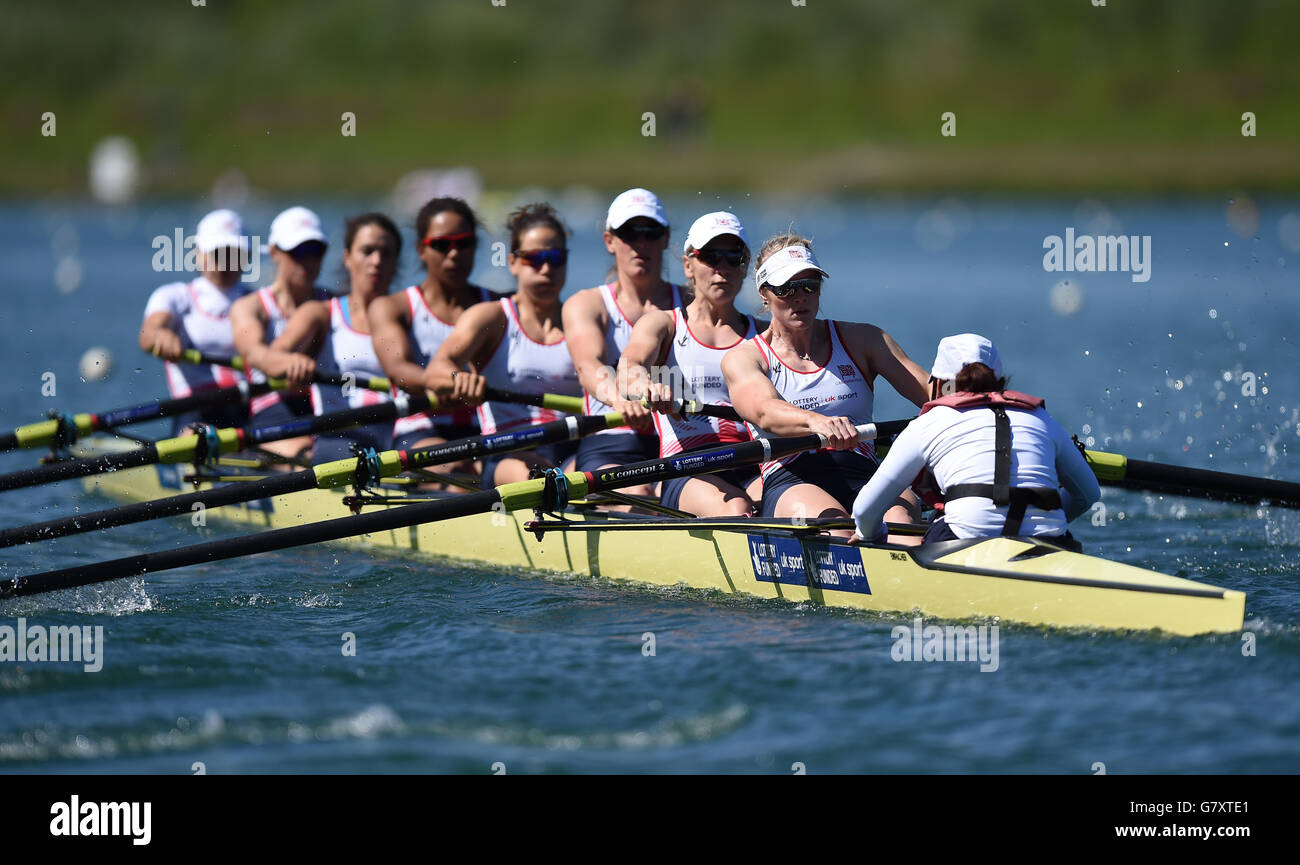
157,508
1203,483
43,433
61,471
247,545
237,362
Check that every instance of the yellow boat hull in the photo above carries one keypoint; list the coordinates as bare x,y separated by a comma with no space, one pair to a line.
1006,579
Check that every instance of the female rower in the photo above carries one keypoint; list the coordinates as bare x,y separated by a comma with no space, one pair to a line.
337,333
515,343
196,314
408,328
805,374
690,344
1005,466
598,323
297,246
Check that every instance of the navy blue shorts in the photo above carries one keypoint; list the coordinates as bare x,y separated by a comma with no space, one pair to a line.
339,447
229,414
557,452
445,431
291,407
840,473
617,449
670,492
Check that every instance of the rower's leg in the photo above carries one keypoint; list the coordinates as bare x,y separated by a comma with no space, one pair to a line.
711,496
807,501
906,509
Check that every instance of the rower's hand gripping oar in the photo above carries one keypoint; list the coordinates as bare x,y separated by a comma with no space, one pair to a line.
516,496
345,380
324,476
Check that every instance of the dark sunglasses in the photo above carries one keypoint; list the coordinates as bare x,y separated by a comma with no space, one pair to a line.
637,233
537,258
310,249
447,242
715,258
811,284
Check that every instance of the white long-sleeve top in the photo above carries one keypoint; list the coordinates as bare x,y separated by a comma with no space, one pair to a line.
958,446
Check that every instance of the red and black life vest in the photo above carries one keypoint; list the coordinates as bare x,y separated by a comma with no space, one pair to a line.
1016,499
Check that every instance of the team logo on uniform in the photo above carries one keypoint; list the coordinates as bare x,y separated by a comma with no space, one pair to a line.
681,340
847,372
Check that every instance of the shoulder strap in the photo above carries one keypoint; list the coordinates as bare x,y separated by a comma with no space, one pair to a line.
1016,499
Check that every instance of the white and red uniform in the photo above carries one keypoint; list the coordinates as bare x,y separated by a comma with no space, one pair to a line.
617,333
838,389
698,370
428,332
276,320
522,364
346,351
201,312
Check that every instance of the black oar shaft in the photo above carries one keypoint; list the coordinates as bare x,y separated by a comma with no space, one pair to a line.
68,469
247,545
1204,483
157,508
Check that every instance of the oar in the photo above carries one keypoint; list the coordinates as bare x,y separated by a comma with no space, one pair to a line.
45,432
365,382
548,492
324,476
1118,470
556,402
222,441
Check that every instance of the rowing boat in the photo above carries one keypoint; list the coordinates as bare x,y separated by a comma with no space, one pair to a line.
1010,579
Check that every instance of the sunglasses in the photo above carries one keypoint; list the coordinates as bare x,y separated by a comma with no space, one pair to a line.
638,233
310,249
537,258
447,242
810,284
715,258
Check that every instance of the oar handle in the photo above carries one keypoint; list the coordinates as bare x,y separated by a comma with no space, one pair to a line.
194,356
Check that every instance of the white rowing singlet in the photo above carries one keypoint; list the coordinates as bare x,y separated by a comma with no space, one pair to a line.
838,389
696,369
428,332
201,313
522,364
346,351
617,333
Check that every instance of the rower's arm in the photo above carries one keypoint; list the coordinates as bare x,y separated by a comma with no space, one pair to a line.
645,348
584,333
248,330
757,401
887,359
388,318
158,336
469,346
894,474
1079,483
305,331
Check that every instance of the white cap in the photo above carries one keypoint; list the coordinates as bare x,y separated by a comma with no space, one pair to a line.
785,263
712,225
957,351
634,203
220,229
295,226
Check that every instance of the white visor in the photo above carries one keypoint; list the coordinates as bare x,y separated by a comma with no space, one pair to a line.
785,263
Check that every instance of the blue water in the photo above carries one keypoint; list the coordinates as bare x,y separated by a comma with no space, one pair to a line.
238,666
